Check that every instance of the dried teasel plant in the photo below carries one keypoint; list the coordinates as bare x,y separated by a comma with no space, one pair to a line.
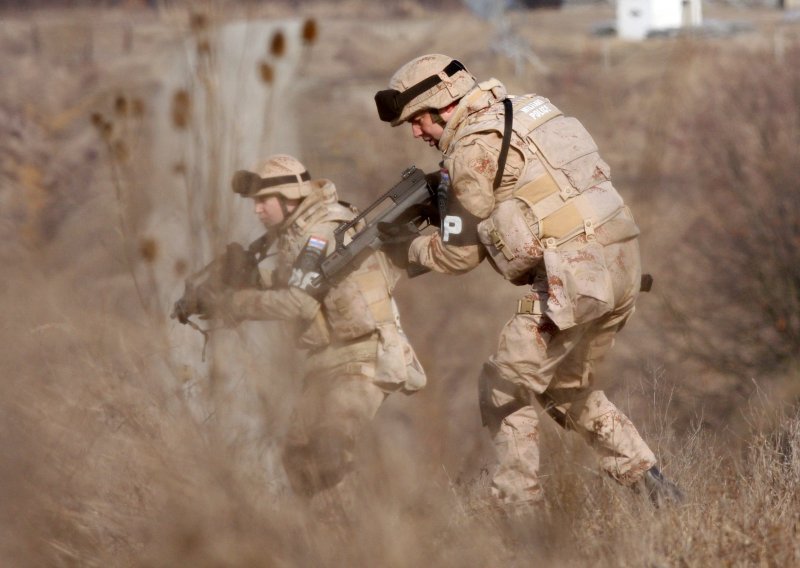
137,107
103,126
198,22
266,72
148,249
277,45
121,105
181,109
310,31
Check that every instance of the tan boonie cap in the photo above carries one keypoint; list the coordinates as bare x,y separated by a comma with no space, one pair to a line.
279,174
430,81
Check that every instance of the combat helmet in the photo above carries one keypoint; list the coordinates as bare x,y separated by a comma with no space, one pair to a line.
427,82
280,174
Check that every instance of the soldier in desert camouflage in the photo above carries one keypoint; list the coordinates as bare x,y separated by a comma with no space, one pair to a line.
528,189
357,352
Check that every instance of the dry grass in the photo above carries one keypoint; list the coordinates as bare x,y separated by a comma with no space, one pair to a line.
120,448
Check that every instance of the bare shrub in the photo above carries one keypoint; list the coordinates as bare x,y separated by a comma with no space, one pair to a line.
741,144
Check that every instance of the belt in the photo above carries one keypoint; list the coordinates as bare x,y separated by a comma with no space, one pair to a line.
529,306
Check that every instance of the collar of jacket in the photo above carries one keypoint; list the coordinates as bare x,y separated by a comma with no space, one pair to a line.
483,96
323,192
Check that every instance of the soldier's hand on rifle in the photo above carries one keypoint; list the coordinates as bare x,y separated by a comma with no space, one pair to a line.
395,241
239,268
433,179
182,310
206,300
429,213
201,301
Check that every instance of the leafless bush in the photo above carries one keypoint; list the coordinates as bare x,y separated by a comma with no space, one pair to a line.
741,145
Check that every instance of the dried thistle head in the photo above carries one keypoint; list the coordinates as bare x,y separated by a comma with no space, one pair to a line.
310,31
266,72
121,105
103,126
181,109
137,107
148,249
277,46
198,22
97,120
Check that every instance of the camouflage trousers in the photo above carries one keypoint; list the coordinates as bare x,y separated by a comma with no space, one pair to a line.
333,410
537,362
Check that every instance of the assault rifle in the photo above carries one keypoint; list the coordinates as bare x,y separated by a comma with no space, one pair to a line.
408,206
236,268
409,203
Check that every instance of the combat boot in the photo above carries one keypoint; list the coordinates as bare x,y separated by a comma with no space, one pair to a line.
661,490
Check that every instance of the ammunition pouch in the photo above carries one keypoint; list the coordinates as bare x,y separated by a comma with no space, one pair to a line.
509,235
579,284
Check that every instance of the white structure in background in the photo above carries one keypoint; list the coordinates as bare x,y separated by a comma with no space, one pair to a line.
695,13
637,18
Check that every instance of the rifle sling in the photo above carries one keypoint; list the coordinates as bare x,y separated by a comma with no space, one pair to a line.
501,159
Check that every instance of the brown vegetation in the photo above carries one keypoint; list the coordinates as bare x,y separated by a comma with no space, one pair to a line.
121,448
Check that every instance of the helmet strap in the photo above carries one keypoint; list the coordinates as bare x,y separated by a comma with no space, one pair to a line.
284,209
437,118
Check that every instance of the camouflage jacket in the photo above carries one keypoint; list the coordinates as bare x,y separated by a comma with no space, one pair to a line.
356,321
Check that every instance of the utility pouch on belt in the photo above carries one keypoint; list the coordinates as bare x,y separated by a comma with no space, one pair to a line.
579,284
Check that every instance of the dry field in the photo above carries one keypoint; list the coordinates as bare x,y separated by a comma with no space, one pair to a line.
123,446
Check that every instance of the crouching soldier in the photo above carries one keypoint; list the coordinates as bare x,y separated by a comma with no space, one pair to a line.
357,352
529,190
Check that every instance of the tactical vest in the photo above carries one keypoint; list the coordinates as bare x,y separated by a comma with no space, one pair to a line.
361,302
561,210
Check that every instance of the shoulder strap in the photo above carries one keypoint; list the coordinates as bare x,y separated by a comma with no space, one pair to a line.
501,160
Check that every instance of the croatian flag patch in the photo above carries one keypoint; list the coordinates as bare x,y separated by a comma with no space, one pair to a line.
317,243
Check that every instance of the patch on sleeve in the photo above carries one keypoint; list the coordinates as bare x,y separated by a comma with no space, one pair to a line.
306,270
459,227
317,243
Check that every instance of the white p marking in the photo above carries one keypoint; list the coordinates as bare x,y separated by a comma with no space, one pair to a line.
451,226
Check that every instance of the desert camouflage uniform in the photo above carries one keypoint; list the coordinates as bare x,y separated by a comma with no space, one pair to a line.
358,353
565,322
